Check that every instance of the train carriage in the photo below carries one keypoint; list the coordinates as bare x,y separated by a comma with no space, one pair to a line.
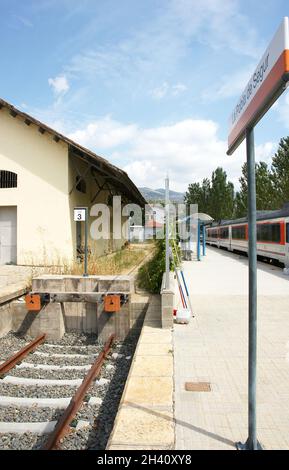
272,235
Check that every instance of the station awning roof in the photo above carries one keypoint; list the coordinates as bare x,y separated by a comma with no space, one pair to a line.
200,216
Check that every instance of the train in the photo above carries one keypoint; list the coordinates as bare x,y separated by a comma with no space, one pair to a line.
272,235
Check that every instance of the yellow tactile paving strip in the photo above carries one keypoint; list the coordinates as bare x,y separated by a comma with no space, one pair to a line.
145,417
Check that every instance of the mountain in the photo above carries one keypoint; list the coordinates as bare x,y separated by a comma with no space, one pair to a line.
159,195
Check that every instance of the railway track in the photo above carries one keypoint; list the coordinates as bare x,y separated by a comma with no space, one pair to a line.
55,395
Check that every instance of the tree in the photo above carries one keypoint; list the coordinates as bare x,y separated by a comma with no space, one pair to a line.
241,202
199,194
193,195
221,196
280,172
240,208
215,197
265,194
205,196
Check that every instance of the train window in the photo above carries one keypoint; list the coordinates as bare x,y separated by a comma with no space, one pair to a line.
287,233
213,233
224,232
239,233
269,233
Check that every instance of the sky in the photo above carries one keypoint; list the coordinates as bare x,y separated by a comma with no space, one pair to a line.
147,84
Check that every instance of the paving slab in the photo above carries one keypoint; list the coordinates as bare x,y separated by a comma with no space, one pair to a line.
153,335
144,426
154,366
214,348
157,390
145,419
155,349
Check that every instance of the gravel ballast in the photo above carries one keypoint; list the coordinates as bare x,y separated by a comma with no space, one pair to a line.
108,390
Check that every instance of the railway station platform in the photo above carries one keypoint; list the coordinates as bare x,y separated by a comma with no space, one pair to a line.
213,349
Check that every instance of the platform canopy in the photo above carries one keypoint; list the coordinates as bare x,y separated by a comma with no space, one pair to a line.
200,216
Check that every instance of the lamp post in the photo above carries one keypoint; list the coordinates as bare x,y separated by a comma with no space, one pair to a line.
167,212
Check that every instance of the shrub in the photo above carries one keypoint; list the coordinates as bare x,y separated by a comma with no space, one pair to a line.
150,275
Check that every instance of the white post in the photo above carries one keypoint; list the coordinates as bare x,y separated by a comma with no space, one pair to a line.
167,185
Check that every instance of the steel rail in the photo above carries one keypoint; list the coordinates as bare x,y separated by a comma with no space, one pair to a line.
13,360
62,427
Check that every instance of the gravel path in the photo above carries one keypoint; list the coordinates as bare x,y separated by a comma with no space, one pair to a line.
100,417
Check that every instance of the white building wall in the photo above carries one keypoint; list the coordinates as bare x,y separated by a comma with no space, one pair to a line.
44,227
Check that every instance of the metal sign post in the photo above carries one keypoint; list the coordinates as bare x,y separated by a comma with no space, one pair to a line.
81,215
252,443
267,83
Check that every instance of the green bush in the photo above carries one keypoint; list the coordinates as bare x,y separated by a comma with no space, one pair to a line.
150,275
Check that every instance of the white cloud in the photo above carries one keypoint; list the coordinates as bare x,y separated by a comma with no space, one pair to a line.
189,149
104,133
218,24
144,173
59,84
167,90
282,108
178,89
160,92
264,152
164,42
229,85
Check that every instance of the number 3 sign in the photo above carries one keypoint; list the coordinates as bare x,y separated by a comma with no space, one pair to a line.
79,214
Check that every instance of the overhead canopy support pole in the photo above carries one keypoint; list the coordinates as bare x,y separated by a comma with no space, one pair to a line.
199,242
204,239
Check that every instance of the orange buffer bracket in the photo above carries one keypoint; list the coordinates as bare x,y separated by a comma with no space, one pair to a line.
33,302
112,303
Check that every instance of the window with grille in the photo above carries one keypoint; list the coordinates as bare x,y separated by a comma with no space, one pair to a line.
8,179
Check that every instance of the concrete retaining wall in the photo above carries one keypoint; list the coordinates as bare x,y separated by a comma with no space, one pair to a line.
7,295
6,319
55,319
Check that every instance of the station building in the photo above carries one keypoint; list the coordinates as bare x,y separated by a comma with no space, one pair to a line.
43,176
